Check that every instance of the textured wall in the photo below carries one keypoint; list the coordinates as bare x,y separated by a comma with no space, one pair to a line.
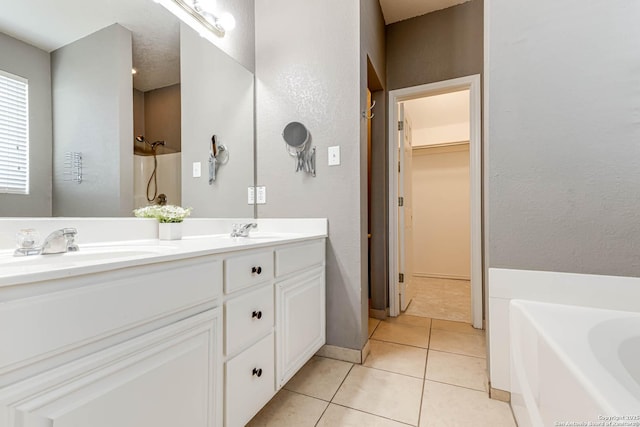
93,114
217,98
308,70
373,67
33,64
563,137
438,46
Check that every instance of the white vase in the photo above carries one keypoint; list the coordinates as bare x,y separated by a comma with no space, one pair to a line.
170,230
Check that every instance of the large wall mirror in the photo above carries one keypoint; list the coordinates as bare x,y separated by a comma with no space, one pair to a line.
123,102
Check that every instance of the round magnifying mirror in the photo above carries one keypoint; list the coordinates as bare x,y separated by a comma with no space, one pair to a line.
296,135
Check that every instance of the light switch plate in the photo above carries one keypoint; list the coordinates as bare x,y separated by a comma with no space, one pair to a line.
197,169
251,195
334,155
261,195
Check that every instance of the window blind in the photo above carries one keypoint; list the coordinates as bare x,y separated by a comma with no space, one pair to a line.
14,134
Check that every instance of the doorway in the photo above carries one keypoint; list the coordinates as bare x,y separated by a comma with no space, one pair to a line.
446,260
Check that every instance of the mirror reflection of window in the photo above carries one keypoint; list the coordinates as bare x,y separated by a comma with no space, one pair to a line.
14,134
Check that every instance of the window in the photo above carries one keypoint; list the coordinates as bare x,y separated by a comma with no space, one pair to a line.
14,134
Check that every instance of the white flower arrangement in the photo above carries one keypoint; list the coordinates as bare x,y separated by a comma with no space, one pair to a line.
164,214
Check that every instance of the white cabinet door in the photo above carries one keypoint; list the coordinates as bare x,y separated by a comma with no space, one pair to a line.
300,324
166,378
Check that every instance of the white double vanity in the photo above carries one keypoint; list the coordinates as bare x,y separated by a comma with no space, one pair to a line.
131,331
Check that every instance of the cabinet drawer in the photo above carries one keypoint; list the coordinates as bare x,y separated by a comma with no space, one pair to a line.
246,270
248,317
249,382
299,257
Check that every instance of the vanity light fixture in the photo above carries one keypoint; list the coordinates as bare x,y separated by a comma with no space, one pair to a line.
203,12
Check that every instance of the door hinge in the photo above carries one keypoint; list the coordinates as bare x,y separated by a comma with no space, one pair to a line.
400,201
398,167
400,125
401,279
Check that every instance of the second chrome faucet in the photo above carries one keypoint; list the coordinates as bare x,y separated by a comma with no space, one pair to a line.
242,230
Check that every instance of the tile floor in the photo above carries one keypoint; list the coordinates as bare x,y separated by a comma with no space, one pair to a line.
444,299
421,372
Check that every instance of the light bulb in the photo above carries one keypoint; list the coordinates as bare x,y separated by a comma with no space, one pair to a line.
226,21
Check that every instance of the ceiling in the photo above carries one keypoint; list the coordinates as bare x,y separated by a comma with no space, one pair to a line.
50,25
439,110
399,10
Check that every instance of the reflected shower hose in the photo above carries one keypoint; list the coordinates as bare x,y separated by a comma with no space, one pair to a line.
154,177
154,174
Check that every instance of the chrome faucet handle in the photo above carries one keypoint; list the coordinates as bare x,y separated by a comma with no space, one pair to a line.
27,242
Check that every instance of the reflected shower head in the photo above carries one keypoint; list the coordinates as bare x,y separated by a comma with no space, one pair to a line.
153,145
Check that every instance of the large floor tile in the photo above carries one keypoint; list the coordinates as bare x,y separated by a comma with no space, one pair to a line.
339,416
406,319
402,334
457,342
398,358
441,299
373,324
319,378
448,325
446,405
381,393
456,369
289,409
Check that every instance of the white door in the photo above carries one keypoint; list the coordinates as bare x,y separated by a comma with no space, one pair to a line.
405,211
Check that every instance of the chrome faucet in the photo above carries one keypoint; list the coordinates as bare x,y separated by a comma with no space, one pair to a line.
242,230
60,241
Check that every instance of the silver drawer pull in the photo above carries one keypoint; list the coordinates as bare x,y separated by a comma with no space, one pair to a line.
257,314
257,372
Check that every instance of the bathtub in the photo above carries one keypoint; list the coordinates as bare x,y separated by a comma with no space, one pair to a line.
574,365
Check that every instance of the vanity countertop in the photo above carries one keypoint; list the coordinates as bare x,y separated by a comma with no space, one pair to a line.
99,257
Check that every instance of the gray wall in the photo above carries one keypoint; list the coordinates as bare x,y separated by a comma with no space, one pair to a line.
33,64
162,119
217,98
93,114
308,70
438,46
373,76
564,136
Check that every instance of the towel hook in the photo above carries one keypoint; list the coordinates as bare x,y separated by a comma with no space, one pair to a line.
369,110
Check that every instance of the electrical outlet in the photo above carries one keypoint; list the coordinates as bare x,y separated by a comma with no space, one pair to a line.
251,195
334,155
261,195
197,169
